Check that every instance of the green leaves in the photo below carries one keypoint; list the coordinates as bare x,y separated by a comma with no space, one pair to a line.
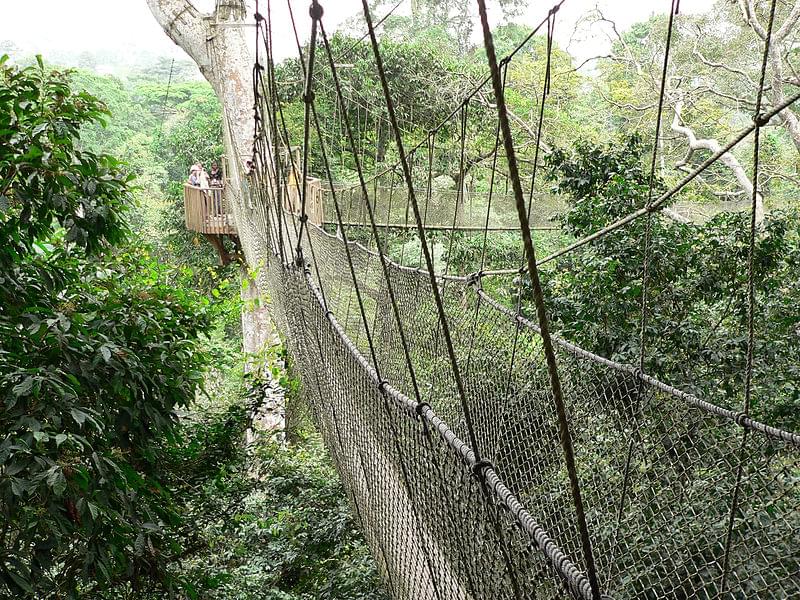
697,285
46,179
94,348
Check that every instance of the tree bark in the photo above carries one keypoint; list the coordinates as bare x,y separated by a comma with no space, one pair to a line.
777,50
224,58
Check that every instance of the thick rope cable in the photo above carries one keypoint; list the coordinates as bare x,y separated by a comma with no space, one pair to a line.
420,230
552,367
380,250
751,298
316,13
481,465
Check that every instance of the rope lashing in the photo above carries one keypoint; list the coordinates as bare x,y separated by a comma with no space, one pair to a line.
758,119
552,368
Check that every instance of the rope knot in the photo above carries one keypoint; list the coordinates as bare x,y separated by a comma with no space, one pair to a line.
761,119
420,408
382,385
259,17
475,278
315,11
308,97
480,467
741,418
298,261
304,219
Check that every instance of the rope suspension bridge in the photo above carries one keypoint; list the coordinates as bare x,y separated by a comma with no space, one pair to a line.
484,456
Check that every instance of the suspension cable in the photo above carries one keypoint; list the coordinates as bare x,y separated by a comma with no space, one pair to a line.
552,367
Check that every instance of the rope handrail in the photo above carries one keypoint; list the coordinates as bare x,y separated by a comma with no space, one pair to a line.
453,456
571,574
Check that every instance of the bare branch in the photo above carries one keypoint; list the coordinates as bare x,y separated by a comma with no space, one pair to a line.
184,25
749,13
588,60
716,65
728,159
789,23
516,118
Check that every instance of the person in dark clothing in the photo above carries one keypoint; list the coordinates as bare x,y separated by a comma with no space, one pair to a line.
215,175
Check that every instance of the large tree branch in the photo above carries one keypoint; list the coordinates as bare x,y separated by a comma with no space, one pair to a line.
789,118
749,13
789,23
728,159
776,54
185,26
716,65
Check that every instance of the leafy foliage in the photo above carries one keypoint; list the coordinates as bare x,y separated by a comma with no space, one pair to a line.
96,352
696,335
44,176
284,532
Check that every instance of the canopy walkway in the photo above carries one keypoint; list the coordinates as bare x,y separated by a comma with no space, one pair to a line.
484,457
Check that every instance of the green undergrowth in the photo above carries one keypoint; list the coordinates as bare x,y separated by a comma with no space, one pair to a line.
271,523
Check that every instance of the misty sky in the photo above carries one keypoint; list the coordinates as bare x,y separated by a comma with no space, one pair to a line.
47,26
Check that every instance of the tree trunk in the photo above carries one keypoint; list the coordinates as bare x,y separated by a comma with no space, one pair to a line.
224,58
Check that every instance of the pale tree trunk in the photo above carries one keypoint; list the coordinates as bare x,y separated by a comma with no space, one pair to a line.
728,159
223,56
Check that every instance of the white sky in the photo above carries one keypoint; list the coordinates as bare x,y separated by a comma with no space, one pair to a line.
45,26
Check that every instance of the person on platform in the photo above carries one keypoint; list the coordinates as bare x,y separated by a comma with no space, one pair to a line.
203,178
215,176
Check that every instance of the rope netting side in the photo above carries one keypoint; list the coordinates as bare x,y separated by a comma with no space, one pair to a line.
400,366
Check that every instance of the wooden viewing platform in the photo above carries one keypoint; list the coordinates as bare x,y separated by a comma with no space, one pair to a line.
207,212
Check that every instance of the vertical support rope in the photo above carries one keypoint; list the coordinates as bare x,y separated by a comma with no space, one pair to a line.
315,11
368,334
420,230
381,254
674,7
534,173
460,190
547,343
429,186
492,179
480,465
760,121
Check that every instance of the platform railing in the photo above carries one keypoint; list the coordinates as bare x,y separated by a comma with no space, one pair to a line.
206,210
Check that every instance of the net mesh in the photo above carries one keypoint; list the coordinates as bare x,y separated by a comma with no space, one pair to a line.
682,498
657,469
